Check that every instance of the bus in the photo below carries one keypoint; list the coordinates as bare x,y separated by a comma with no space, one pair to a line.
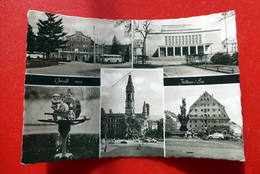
111,58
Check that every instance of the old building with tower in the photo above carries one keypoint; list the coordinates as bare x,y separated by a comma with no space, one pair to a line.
115,125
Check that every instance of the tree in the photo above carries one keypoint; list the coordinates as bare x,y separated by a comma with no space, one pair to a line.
103,124
142,27
50,34
115,46
132,127
31,38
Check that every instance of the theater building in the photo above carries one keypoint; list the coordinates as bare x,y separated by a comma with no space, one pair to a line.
114,123
207,114
181,40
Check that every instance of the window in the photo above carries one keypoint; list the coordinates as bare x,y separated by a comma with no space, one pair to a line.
165,40
172,40
200,39
176,40
179,40
196,39
169,40
186,40
192,41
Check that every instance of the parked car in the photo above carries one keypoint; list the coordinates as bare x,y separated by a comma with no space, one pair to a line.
219,136
124,142
146,141
153,141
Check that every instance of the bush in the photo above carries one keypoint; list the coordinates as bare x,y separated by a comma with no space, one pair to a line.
221,58
234,58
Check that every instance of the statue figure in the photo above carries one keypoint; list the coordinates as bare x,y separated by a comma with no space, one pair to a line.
183,118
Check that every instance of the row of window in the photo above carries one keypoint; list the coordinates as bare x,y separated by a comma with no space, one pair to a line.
209,121
78,38
208,104
116,131
110,120
205,110
183,39
222,126
208,115
113,125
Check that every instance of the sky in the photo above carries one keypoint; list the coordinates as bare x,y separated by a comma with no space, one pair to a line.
105,29
227,94
206,22
148,86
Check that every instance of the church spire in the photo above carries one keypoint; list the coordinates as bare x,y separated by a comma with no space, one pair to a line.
130,86
129,102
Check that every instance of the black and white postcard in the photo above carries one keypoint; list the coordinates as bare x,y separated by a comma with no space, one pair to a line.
98,88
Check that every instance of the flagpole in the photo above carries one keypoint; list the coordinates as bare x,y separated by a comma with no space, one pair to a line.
94,45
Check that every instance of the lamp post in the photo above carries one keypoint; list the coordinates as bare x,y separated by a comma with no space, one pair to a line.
225,16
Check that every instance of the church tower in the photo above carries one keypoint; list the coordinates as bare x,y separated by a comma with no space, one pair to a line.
129,102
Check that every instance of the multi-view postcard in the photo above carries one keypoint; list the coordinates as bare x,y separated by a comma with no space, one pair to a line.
99,88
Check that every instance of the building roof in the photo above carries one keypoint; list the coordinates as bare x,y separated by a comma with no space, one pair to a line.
183,31
205,103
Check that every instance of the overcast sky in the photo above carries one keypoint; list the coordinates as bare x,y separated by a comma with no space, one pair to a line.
105,29
227,94
206,22
148,86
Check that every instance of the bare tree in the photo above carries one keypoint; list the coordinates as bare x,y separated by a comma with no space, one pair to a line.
141,27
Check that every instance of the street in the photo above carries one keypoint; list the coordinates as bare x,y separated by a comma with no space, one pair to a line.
133,149
76,68
197,148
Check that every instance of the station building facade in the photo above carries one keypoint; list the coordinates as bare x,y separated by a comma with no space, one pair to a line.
80,47
181,40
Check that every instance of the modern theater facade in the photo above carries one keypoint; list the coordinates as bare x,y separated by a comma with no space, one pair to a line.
181,40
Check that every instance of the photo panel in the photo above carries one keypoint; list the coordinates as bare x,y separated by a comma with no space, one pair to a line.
131,113
204,121
60,123
73,46
195,46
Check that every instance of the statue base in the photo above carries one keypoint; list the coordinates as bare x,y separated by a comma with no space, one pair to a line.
183,134
66,156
